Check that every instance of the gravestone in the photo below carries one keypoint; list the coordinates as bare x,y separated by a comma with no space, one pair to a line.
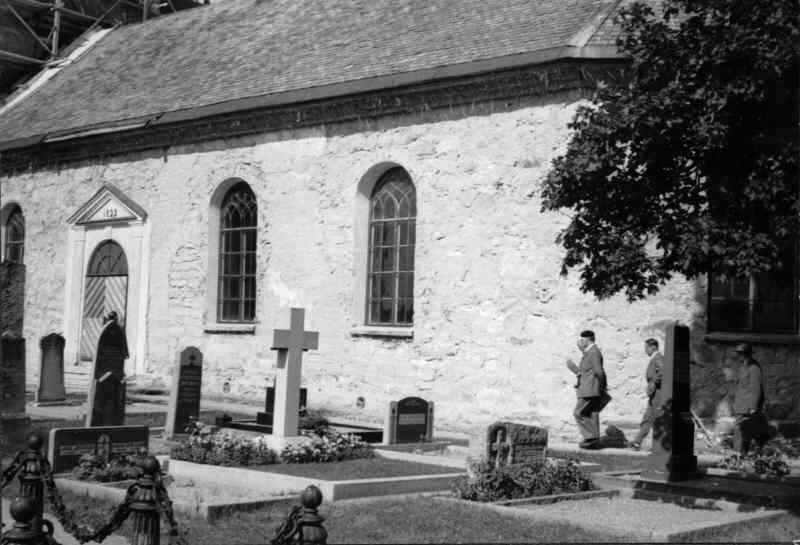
672,457
184,397
51,373
12,373
12,296
410,420
290,344
266,418
106,403
67,445
509,443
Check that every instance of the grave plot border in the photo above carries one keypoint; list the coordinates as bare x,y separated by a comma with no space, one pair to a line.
788,480
691,531
544,500
331,490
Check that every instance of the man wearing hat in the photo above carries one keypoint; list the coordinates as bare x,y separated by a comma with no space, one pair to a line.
591,390
748,403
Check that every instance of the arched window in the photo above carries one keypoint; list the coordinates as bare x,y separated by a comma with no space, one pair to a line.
390,283
236,300
15,236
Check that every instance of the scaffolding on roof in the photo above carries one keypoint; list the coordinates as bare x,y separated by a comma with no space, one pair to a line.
34,33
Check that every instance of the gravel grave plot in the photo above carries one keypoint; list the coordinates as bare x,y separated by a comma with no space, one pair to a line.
644,518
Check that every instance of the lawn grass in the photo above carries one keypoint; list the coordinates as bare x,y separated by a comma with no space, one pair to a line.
369,468
384,520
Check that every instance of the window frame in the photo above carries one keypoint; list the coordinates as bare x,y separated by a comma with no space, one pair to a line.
16,244
751,302
241,232
399,223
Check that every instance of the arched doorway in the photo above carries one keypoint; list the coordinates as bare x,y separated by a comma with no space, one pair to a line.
106,289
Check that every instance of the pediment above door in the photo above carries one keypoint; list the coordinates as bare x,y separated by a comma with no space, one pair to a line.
108,205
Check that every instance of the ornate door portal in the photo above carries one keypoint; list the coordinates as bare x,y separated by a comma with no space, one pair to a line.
106,290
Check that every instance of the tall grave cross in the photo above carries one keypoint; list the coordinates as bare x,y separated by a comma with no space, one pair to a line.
290,344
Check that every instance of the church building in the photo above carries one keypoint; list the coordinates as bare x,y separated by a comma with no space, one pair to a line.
378,163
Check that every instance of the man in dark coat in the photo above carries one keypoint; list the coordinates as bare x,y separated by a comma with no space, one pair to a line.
653,377
748,402
591,390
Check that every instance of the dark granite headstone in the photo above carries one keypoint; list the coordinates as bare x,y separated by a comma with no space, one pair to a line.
512,443
266,418
106,403
67,445
51,373
12,373
12,296
413,420
672,457
184,399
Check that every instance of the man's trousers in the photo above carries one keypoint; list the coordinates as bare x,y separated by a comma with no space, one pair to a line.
587,416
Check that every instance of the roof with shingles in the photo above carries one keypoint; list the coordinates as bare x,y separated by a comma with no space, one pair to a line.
237,49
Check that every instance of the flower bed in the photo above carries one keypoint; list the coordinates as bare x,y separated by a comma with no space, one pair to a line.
486,483
227,448
93,468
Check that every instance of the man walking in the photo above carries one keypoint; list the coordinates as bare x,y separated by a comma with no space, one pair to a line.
591,390
653,376
748,403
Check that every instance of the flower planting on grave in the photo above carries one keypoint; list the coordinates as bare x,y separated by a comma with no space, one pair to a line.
487,482
326,445
224,448
769,460
94,468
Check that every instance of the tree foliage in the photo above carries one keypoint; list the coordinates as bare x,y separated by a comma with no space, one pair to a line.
692,164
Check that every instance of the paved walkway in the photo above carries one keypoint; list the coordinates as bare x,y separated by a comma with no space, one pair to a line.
60,535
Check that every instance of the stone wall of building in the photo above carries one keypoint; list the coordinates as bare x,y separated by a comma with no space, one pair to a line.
494,320
12,297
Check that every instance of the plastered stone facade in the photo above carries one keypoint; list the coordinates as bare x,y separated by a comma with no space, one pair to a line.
494,320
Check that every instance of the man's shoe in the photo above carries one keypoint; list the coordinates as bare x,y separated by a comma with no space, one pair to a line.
633,445
589,444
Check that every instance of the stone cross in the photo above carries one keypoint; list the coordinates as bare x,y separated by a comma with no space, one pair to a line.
290,344
501,448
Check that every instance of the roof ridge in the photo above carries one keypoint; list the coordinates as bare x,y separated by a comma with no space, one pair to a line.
588,31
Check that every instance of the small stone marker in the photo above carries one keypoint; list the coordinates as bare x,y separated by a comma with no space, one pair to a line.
672,457
266,418
290,344
184,397
510,443
410,420
67,445
106,402
51,373
12,373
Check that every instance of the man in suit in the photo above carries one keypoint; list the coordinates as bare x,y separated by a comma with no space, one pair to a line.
653,377
591,389
748,403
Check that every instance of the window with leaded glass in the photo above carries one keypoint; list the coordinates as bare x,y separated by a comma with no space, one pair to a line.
236,301
762,303
390,285
15,236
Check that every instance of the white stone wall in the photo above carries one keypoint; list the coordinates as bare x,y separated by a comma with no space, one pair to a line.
494,321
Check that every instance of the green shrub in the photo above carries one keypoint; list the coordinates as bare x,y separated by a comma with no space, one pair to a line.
326,446
93,468
224,449
487,483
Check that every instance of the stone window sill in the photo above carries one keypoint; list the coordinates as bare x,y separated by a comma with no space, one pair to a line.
758,338
235,329
382,331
